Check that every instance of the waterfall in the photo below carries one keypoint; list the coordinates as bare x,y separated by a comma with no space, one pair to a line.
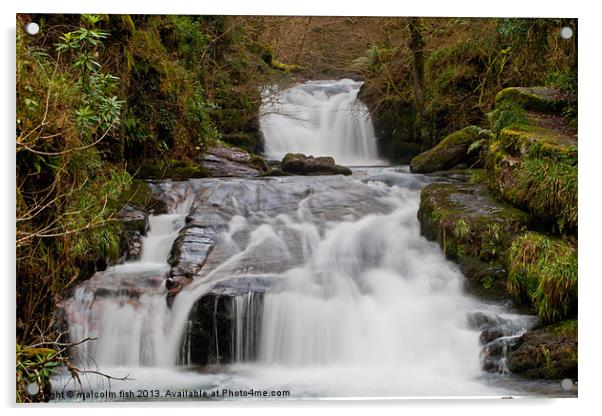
124,307
319,118
318,284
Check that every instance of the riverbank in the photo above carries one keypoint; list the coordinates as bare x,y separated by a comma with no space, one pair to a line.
513,227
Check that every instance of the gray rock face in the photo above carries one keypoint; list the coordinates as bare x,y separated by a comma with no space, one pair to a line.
227,162
300,164
190,250
224,325
135,225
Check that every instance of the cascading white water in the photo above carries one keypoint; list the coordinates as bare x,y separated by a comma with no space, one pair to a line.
124,307
319,118
346,298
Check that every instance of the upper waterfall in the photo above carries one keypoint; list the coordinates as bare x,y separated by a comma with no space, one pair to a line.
319,118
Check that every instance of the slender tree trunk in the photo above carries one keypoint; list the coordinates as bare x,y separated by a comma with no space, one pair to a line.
421,132
302,41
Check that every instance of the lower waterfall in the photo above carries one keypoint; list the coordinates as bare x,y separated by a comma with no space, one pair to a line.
319,285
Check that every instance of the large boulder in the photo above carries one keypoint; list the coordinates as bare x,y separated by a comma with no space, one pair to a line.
232,162
189,254
549,352
300,164
474,229
450,152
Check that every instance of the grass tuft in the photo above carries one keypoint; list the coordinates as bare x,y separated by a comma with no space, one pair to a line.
543,271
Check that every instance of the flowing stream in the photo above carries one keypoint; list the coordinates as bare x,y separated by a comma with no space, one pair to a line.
320,286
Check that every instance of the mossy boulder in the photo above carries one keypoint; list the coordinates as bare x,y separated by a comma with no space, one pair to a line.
474,229
300,164
549,352
542,272
540,99
450,152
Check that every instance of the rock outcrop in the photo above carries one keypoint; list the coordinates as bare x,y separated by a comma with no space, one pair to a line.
474,229
135,225
549,352
300,164
532,161
232,162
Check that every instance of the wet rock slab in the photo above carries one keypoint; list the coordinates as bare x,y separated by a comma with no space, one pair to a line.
230,162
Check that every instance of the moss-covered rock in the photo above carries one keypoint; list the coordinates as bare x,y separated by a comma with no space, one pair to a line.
540,99
474,229
535,168
542,271
451,151
300,164
549,352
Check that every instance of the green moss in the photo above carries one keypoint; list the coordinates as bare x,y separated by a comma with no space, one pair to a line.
540,99
478,176
171,169
567,327
543,271
533,142
508,114
140,195
280,66
473,229
258,162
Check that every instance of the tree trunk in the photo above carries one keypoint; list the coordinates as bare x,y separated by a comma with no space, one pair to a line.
421,131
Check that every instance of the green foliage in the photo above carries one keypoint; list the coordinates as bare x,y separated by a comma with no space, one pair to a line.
508,114
35,365
193,81
543,271
67,192
467,62
461,230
